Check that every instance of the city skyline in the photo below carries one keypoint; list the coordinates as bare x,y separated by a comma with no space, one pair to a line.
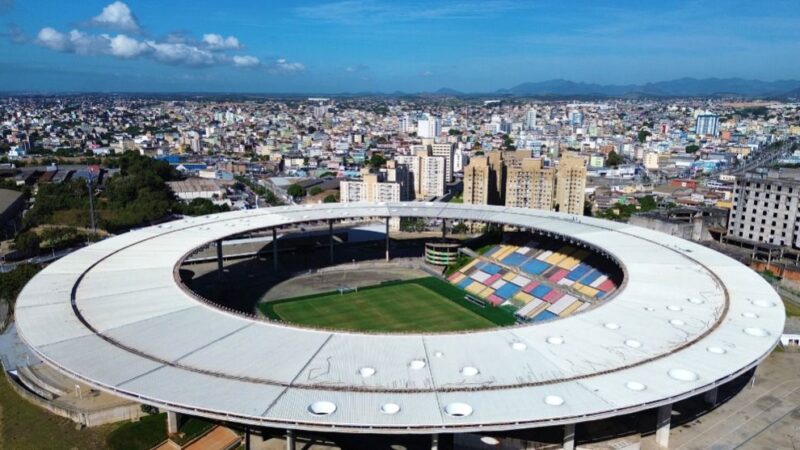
341,46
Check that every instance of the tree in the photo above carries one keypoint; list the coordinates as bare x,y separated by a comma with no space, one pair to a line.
201,207
642,137
614,159
295,190
377,161
11,283
459,228
316,190
692,148
28,242
330,199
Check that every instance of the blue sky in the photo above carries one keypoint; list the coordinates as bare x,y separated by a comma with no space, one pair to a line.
383,45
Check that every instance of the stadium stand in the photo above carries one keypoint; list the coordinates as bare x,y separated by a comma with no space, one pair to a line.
538,280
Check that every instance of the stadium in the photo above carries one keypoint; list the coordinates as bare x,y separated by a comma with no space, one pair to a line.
573,329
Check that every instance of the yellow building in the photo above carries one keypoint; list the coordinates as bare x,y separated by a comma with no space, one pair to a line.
571,183
530,185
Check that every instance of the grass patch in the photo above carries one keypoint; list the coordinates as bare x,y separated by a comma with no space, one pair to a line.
191,428
792,310
424,304
25,426
146,433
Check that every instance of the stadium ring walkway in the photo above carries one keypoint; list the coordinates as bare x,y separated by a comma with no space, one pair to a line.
685,320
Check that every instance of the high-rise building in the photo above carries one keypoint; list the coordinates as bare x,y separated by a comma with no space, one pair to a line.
413,169
707,125
445,151
530,184
765,207
369,189
571,184
429,127
576,118
403,124
432,182
459,160
399,173
478,182
530,119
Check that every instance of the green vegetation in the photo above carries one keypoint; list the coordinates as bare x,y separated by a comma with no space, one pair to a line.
614,159
425,304
295,190
692,148
458,198
191,428
622,211
146,433
792,309
26,426
136,196
261,191
412,224
461,261
642,136
330,199
200,207
376,161
28,242
150,430
316,190
11,283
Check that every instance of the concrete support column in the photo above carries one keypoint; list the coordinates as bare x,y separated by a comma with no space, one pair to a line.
568,443
434,442
173,422
710,397
219,259
387,239
664,416
330,237
444,228
289,440
274,248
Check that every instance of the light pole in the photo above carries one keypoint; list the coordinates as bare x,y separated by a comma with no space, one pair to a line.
91,203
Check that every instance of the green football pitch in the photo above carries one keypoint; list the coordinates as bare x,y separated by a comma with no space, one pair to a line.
420,305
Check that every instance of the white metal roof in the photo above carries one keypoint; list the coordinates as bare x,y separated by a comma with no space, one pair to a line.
686,319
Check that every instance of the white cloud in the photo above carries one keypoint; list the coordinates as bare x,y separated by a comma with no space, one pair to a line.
246,61
181,54
282,66
52,39
127,47
116,16
176,49
217,42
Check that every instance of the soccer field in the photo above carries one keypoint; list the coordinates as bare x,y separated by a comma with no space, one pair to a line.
425,304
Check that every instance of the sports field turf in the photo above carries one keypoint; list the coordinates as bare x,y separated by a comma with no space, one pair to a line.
424,304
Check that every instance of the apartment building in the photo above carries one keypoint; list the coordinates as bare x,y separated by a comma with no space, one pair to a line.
530,184
571,183
765,207
369,189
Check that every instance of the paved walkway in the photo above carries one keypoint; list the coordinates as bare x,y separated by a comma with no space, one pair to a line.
765,415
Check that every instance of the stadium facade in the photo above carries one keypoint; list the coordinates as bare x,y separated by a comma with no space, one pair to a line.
685,321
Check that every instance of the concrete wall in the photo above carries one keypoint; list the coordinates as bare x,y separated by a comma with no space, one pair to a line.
86,418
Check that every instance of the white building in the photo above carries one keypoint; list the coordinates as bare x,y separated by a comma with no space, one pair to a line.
429,127
368,190
432,183
707,125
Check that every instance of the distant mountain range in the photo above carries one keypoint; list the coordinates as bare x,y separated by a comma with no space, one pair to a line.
682,87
